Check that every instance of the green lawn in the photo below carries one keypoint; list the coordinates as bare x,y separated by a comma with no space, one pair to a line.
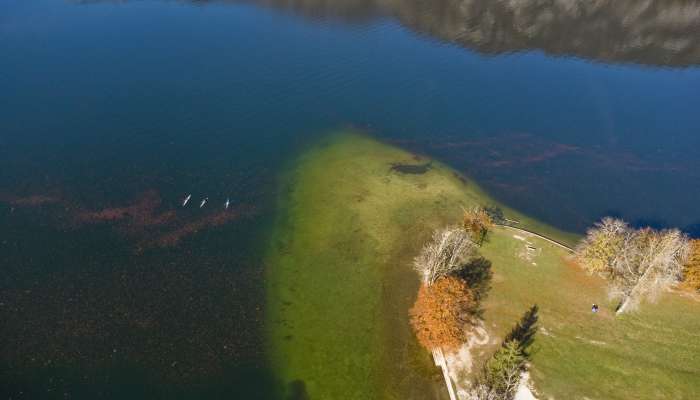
650,354
340,283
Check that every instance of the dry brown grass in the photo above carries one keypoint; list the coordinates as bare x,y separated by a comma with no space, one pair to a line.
691,271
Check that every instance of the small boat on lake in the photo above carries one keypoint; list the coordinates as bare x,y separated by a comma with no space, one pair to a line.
204,201
226,204
187,199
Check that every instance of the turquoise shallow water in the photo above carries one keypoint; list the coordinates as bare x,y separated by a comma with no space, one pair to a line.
110,112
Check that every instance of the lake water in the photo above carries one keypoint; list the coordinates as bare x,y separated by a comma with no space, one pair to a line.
114,111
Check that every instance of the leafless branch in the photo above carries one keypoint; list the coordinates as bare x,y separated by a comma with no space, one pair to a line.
447,252
640,263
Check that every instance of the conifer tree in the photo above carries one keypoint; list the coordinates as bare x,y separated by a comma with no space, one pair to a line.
502,372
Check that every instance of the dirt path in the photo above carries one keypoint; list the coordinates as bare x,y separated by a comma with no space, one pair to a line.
523,230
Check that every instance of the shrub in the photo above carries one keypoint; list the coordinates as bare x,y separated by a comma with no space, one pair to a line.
496,214
477,222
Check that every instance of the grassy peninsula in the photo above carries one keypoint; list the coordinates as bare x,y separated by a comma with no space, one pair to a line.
354,213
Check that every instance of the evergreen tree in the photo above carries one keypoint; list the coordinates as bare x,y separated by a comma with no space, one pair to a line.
502,372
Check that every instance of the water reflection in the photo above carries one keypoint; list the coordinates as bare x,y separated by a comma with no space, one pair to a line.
652,32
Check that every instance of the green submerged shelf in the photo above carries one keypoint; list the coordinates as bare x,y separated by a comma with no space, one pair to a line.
353,215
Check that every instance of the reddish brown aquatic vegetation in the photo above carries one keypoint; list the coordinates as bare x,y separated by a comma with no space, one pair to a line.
518,150
174,237
28,201
150,225
143,220
142,213
171,313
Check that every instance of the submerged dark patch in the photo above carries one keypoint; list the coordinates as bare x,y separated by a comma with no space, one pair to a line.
297,390
412,169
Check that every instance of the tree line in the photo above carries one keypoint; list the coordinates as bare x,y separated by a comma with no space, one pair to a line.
454,281
639,263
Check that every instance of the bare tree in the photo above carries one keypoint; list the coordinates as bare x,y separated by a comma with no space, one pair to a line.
638,262
447,252
651,262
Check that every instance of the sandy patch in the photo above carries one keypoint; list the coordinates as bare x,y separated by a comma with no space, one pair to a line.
524,392
460,363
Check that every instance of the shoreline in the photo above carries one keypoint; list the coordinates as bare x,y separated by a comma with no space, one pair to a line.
339,263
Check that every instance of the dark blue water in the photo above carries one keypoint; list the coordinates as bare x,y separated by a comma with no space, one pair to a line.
110,112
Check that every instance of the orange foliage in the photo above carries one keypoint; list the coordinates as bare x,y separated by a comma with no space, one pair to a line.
477,223
442,312
691,273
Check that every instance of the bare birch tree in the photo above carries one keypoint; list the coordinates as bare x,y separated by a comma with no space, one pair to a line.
447,252
651,262
639,263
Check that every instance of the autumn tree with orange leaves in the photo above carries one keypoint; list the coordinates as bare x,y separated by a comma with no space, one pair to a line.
442,313
477,222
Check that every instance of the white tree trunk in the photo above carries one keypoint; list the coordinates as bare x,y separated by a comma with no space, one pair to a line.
623,306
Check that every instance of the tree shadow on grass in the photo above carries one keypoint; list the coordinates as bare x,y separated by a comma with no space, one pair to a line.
477,274
524,331
501,373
